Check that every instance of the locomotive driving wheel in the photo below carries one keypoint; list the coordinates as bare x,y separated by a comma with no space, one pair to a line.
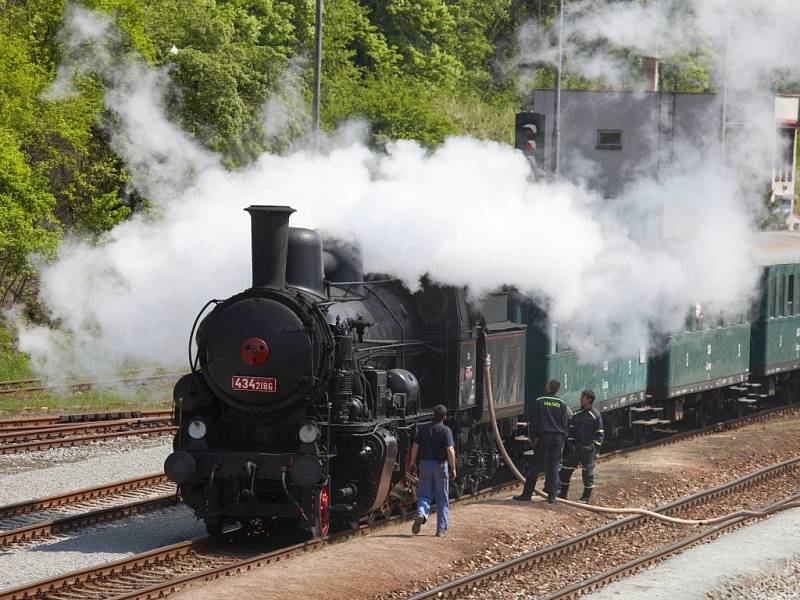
323,512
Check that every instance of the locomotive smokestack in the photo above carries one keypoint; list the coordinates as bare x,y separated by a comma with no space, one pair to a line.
269,226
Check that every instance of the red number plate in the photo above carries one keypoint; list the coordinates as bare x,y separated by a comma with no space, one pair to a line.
254,384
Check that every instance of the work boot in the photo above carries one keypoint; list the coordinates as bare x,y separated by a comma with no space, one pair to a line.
419,521
551,499
562,493
587,496
441,533
522,498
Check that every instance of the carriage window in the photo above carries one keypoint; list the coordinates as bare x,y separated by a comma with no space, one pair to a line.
780,304
772,295
790,309
562,341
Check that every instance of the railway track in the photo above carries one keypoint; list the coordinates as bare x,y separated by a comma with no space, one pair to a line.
30,438
42,421
158,572
28,521
32,386
631,567
583,549
728,425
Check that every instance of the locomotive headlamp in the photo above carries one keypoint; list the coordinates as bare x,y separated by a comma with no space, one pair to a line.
308,433
197,429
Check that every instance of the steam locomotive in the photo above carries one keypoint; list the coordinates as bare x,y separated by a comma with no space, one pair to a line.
308,388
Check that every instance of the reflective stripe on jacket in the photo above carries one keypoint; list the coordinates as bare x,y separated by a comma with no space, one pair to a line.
586,427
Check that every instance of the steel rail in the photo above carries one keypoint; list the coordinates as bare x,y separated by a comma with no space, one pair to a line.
727,425
642,562
98,576
68,585
71,429
66,442
161,557
91,493
528,559
42,421
37,385
37,530
14,383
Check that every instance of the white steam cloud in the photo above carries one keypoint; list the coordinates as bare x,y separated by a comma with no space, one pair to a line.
466,213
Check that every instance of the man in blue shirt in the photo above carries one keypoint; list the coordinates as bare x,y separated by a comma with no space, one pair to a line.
435,449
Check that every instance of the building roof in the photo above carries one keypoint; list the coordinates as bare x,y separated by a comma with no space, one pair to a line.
776,248
638,92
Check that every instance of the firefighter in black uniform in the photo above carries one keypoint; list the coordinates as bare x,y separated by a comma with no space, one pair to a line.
549,418
583,443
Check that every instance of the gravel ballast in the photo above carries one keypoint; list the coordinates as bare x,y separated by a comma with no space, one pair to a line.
61,470
780,581
484,533
704,571
98,545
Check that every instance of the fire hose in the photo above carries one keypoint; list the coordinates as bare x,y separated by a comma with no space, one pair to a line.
604,509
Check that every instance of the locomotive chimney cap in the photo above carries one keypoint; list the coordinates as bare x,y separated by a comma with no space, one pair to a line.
269,208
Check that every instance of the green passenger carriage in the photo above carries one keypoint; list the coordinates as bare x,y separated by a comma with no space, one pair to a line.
775,344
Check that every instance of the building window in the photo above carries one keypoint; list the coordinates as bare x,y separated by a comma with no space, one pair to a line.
609,139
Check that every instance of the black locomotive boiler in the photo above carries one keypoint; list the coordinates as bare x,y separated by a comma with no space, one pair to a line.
307,389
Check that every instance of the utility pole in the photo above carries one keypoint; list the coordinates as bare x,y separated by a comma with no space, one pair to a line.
725,69
317,77
557,97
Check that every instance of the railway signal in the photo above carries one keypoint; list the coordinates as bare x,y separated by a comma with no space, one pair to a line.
529,137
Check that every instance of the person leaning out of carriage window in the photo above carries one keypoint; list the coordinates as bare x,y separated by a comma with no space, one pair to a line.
436,451
583,443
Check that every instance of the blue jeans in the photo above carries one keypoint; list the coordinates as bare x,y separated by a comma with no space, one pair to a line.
434,483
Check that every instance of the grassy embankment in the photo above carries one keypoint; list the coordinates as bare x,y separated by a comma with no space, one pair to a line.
15,365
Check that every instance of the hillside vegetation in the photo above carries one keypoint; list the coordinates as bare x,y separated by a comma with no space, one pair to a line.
421,69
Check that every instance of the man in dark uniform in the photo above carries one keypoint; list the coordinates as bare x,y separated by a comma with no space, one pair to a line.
549,417
434,446
583,443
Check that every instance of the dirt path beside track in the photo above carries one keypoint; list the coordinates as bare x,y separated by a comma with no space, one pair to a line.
391,562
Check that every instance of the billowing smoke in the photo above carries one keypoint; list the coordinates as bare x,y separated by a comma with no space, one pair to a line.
466,213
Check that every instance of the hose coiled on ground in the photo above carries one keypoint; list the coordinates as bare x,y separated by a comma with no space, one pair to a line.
603,509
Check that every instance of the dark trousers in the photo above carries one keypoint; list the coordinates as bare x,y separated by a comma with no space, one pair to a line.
583,456
547,458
